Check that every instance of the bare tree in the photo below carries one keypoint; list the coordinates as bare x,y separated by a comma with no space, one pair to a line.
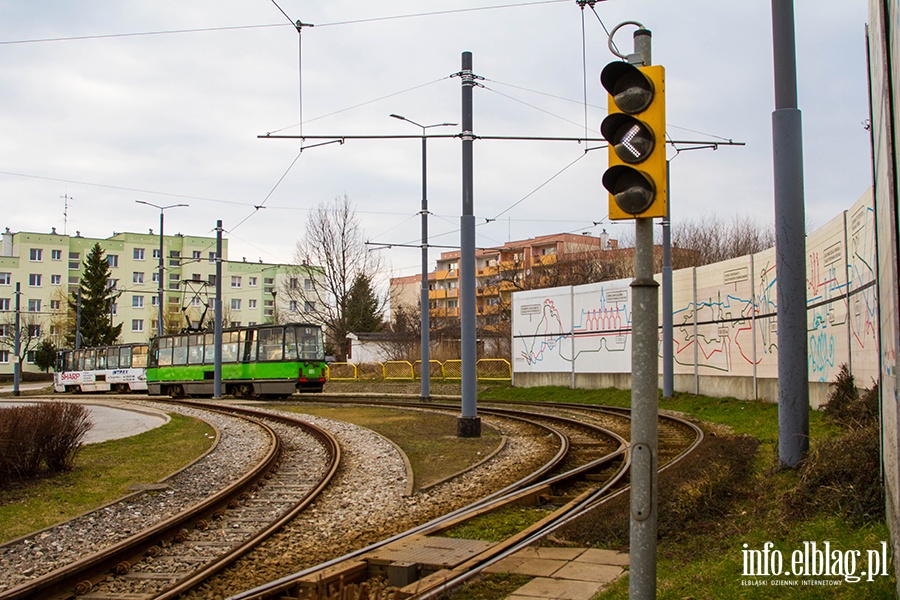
31,330
713,239
335,242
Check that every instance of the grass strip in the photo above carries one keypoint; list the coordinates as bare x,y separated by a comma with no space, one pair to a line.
428,439
103,473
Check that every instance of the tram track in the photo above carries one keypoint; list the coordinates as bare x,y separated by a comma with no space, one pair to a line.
164,560
392,559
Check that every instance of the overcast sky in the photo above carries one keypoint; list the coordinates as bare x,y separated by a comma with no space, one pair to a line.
171,118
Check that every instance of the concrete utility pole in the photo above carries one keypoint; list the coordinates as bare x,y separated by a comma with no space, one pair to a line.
17,337
668,350
217,365
790,244
644,395
469,423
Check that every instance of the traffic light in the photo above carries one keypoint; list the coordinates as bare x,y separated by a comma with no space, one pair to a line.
636,131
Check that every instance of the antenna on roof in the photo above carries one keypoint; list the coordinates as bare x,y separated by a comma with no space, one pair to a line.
67,197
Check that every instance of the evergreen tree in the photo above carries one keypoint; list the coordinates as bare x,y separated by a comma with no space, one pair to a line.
97,297
363,309
45,355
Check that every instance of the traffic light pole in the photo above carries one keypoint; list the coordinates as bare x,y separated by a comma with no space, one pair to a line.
644,396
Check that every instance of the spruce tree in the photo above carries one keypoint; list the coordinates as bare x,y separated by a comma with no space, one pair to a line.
363,309
97,297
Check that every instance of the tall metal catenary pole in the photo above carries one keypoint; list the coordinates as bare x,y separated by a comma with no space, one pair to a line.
78,319
469,424
217,366
644,396
160,288
424,302
790,244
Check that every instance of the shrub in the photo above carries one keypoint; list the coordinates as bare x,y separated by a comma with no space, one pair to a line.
842,475
45,435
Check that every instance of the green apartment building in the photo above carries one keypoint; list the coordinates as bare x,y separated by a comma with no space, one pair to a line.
48,267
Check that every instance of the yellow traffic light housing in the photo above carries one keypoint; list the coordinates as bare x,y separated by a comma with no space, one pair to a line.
636,131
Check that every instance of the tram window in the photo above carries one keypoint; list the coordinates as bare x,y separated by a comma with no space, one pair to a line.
250,347
78,362
119,358
112,358
101,359
210,350
179,352
229,346
195,350
165,354
139,357
309,344
290,343
270,343
90,359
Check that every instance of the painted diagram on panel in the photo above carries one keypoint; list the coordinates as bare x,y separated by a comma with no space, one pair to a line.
548,337
725,314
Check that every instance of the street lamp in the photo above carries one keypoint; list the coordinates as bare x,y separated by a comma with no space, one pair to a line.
159,308
424,301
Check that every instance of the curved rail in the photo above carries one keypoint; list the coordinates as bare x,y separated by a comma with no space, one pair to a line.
82,575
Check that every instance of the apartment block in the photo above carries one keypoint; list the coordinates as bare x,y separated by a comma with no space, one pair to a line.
540,262
48,266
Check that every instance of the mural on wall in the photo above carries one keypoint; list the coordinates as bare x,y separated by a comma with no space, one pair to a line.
724,314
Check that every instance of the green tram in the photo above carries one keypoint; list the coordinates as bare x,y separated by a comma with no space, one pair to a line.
258,361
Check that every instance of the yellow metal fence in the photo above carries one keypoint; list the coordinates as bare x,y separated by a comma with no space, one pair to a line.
486,369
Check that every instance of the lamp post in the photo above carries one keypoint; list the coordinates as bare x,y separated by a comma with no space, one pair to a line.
159,308
424,301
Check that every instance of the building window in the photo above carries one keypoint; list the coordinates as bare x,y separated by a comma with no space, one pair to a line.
74,279
251,323
155,277
235,304
195,255
211,280
235,281
4,303
114,309
113,260
195,277
36,255
34,331
309,306
174,258
56,280
34,280
174,285
293,306
295,283
34,306
251,281
251,303
154,301
235,324
156,254
55,305
5,278
212,257
137,325
195,301
173,300
173,276
153,325
111,284
137,301
56,254
138,254
307,284
5,330
4,357
137,277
